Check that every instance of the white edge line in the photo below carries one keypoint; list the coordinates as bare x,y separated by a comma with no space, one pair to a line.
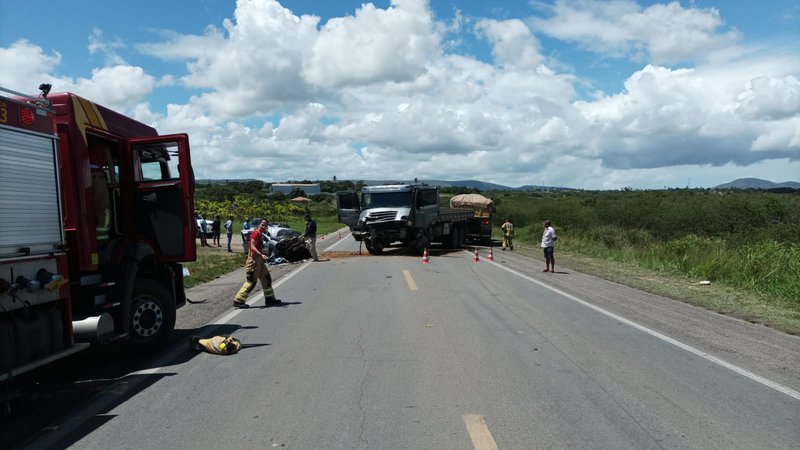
109,395
741,371
227,317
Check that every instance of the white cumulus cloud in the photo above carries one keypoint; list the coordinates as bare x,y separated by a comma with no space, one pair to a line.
393,93
662,33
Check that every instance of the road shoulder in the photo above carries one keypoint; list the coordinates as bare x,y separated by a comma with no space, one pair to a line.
767,352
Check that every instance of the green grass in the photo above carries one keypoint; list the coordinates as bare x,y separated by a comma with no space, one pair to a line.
767,267
212,264
759,281
718,296
747,243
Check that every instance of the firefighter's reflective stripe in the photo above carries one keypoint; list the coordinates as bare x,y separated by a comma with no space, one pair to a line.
269,294
256,271
220,345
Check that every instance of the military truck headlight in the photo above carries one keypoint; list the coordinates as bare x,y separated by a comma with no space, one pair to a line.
409,223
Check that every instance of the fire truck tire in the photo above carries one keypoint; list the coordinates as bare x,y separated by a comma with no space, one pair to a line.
152,316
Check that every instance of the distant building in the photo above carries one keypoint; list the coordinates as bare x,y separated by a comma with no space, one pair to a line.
287,188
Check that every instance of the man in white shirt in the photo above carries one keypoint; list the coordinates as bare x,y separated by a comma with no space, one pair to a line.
229,232
548,245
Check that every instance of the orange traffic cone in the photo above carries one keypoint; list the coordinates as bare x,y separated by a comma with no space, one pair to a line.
476,258
425,259
491,255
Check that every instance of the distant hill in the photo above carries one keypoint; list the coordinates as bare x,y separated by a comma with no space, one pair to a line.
482,185
741,183
442,183
238,180
471,184
532,187
499,187
757,183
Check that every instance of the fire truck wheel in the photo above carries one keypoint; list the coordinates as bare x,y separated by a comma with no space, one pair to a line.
152,316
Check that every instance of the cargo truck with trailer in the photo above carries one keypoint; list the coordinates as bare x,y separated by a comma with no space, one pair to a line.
479,226
406,215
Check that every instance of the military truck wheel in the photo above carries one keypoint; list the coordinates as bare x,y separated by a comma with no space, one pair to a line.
452,241
374,248
152,314
421,244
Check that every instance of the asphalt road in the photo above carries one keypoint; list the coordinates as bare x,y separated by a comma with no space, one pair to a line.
387,352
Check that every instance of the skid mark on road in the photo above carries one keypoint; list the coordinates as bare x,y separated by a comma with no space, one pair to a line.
343,255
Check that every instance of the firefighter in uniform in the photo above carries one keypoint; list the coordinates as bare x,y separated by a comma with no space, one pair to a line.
508,235
256,270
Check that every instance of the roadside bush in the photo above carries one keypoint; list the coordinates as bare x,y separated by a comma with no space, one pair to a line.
746,239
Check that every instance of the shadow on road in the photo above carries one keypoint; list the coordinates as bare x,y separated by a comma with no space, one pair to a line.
93,382
282,304
246,346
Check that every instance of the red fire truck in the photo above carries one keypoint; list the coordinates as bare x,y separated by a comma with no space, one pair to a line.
96,217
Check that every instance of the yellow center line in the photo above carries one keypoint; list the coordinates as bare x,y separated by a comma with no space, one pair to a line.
411,285
479,433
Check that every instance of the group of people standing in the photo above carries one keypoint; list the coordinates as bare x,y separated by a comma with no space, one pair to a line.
548,244
215,231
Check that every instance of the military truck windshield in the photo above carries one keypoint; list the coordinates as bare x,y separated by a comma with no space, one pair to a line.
386,199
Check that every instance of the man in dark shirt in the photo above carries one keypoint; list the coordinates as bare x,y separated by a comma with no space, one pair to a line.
311,236
215,230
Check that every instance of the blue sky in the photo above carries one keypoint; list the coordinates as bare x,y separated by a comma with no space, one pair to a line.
596,95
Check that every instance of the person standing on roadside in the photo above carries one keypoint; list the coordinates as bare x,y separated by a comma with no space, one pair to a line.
548,245
215,231
203,229
256,270
229,232
508,234
311,236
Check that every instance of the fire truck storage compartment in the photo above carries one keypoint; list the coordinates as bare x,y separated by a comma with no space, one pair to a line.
31,239
29,200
